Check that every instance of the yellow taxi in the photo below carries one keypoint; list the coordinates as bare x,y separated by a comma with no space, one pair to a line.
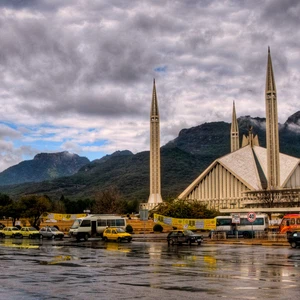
116,234
30,232
12,232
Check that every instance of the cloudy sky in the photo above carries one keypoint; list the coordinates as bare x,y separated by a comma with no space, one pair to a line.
77,75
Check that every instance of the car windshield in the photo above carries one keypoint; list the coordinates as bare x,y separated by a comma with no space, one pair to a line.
54,229
15,228
120,230
76,224
188,232
32,229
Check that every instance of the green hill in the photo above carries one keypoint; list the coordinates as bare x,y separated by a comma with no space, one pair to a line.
182,160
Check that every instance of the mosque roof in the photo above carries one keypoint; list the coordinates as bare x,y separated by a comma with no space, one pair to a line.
247,162
249,165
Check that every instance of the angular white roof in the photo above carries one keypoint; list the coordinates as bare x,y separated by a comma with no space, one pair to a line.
249,165
242,163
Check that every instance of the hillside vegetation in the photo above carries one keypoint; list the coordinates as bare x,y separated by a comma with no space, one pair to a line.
182,160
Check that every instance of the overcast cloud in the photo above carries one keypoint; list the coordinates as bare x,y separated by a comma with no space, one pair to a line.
77,75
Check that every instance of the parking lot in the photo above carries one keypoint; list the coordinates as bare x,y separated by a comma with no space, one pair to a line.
54,269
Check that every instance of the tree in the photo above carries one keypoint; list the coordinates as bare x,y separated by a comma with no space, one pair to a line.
108,202
131,206
58,206
75,207
9,208
184,209
5,201
33,207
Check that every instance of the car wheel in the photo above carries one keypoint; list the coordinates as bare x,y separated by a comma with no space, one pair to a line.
118,240
41,236
293,245
86,237
172,241
12,236
53,237
105,239
129,240
199,243
30,236
190,242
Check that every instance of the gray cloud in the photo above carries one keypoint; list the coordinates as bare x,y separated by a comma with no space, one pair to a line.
86,68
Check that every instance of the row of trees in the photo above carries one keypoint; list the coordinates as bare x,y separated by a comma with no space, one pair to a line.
105,202
34,206
31,207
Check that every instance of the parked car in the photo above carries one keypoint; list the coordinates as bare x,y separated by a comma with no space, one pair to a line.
51,233
184,236
30,232
12,232
116,234
294,239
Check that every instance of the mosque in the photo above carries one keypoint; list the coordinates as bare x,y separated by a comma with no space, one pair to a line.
249,177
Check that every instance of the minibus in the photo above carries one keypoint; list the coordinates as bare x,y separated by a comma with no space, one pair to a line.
94,225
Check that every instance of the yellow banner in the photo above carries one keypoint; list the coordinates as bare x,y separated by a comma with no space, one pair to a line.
62,217
192,224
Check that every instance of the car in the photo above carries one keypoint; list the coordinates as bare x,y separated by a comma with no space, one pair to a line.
51,233
116,234
10,231
184,236
30,232
294,239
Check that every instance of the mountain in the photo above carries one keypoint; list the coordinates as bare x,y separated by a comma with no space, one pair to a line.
43,166
182,160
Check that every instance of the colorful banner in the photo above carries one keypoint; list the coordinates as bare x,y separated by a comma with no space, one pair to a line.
192,224
62,217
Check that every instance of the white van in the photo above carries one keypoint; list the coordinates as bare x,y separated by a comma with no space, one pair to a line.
94,225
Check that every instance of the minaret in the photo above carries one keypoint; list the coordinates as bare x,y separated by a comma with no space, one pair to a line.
234,142
272,135
155,185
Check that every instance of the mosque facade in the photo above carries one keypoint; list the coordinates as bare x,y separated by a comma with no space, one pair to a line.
251,176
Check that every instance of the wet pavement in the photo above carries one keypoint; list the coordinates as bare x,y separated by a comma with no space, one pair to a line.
67,269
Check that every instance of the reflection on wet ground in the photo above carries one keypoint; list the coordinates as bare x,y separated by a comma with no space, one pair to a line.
46,269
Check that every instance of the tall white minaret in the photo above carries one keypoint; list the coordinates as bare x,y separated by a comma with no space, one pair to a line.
155,181
234,132
272,135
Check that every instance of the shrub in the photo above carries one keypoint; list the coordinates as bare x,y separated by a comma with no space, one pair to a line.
158,228
129,228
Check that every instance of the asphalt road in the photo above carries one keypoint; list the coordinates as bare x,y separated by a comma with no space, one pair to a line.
67,269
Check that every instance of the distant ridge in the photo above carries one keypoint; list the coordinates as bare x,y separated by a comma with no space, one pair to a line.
182,160
44,166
